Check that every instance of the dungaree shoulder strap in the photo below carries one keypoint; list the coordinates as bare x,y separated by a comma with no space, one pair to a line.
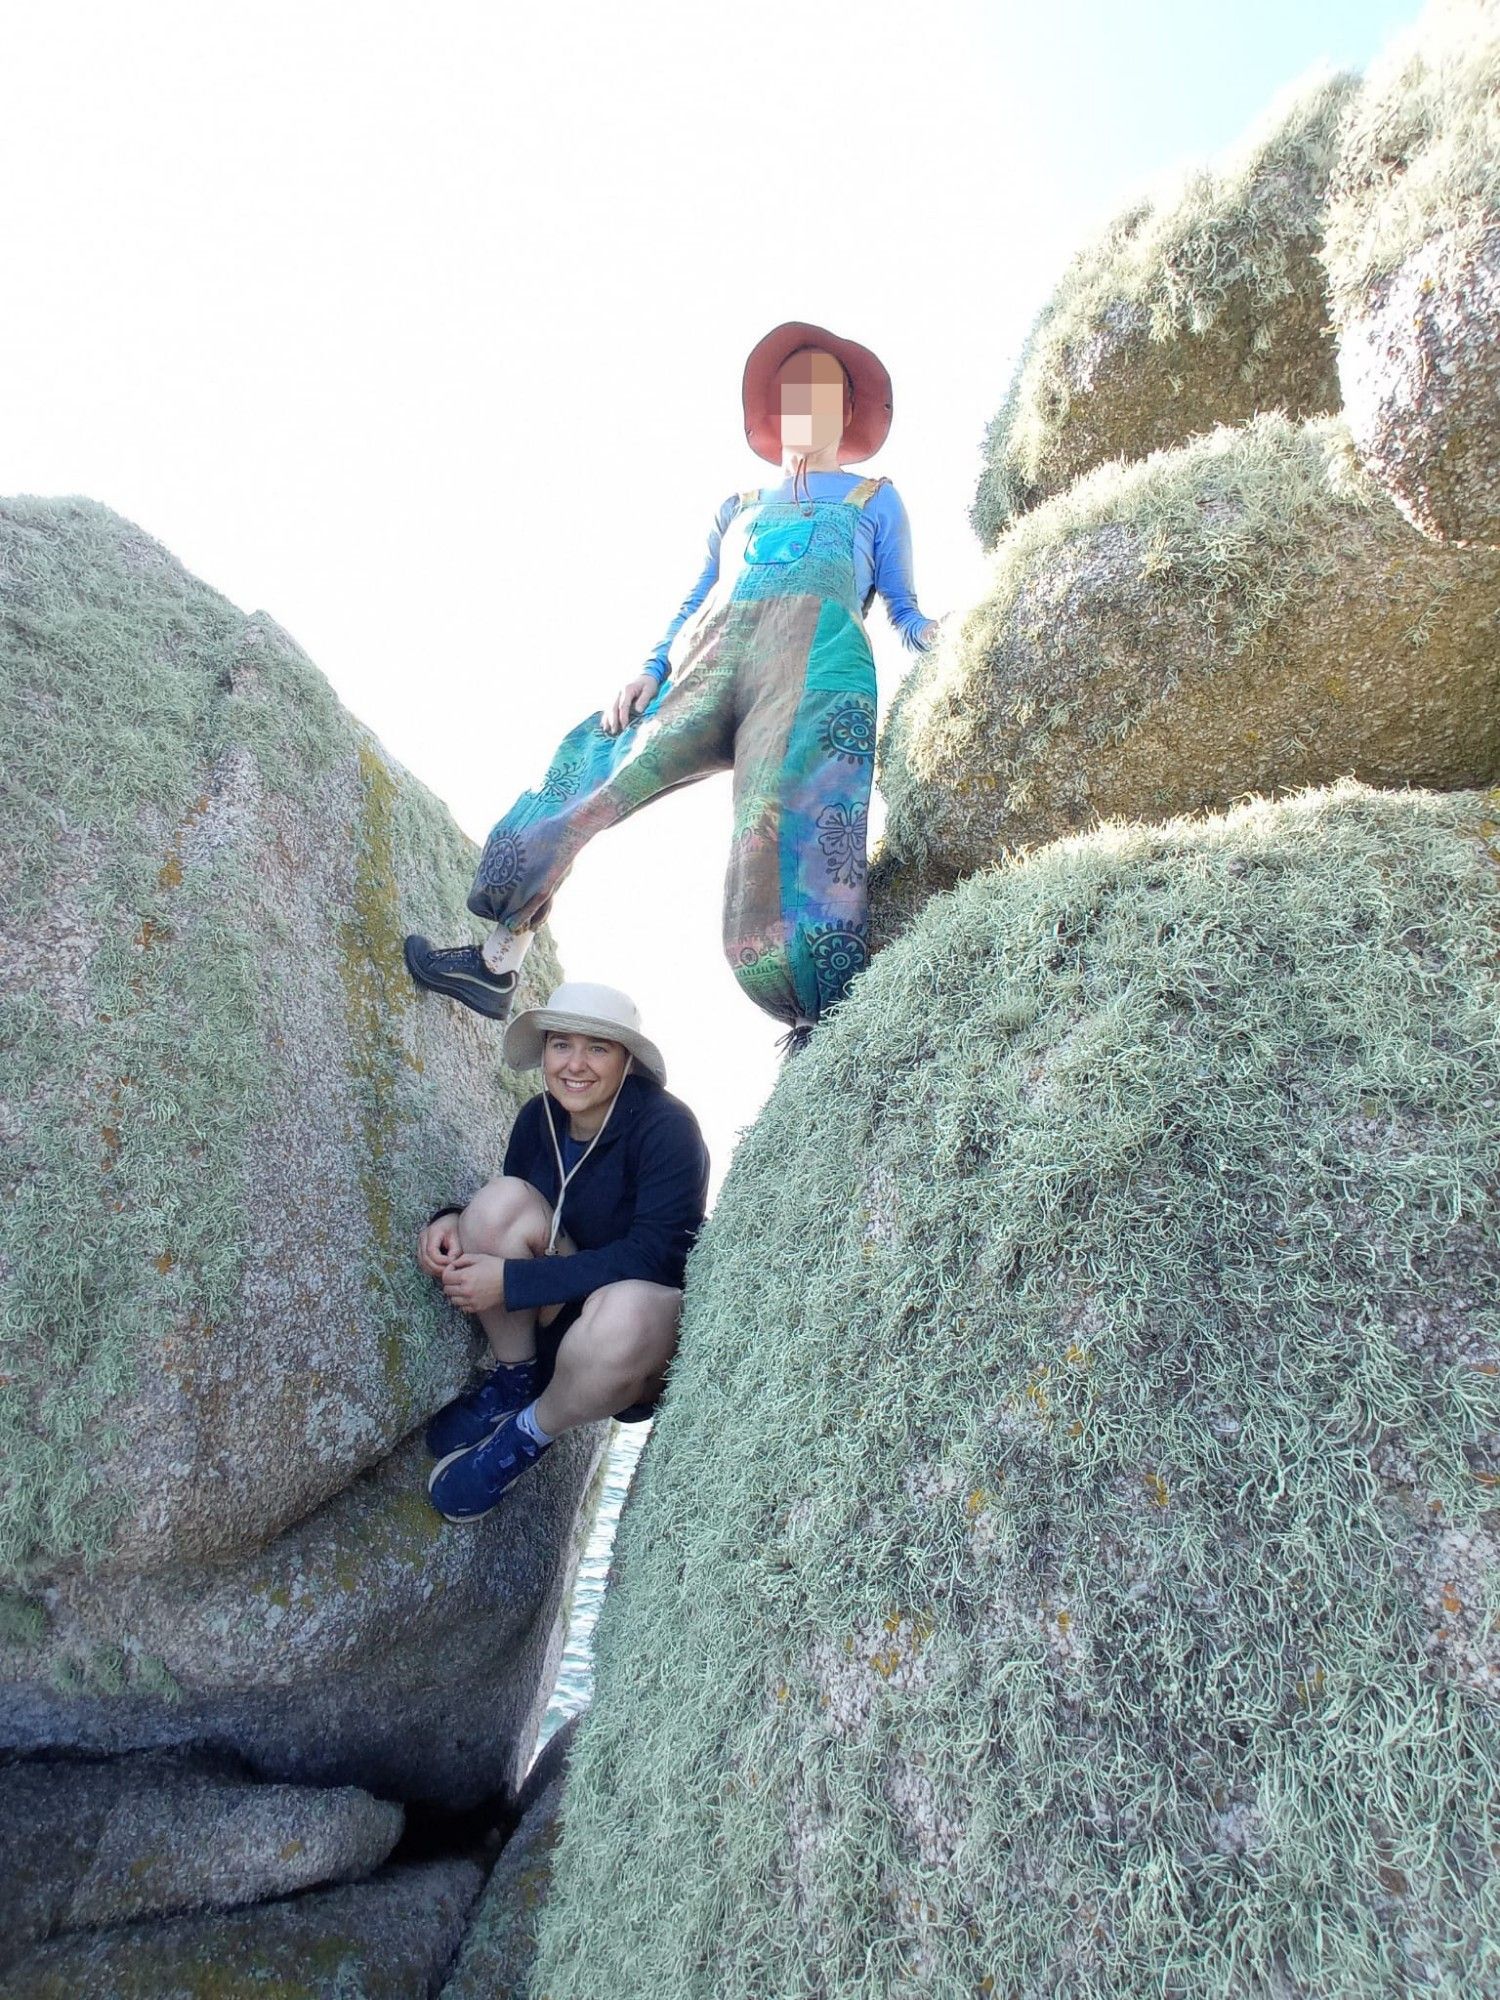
866,490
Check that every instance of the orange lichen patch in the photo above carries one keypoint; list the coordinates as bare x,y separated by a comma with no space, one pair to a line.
1064,1620
1309,1690
782,1690
151,933
1037,1396
1392,1880
976,1502
165,1262
1076,1356
1156,1486
169,875
1451,1601
110,1134
289,1850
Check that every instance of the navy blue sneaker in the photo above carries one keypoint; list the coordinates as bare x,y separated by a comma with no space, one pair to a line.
460,971
470,1418
467,1485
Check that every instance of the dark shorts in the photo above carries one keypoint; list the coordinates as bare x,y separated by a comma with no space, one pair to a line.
549,1339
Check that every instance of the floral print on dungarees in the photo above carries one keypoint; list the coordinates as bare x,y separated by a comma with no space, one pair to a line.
849,731
841,835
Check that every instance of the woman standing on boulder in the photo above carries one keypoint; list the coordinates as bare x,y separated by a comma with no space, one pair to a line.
573,1260
765,670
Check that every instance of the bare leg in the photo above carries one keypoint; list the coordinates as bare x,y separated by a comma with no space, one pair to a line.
508,1218
615,1355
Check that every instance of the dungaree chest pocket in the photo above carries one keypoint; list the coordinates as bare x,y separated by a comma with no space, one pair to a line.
778,539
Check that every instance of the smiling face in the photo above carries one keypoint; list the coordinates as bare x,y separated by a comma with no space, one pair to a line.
583,1072
813,398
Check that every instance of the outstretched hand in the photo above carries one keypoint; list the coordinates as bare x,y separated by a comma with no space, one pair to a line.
628,703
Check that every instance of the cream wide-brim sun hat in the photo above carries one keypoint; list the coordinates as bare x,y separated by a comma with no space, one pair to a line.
579,1008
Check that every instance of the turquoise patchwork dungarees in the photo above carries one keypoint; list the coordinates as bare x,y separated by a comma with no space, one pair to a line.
776,682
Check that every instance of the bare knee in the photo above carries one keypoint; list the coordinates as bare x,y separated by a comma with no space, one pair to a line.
633,1324
507,1218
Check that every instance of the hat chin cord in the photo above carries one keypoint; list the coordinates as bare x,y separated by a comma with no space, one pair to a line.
564,1178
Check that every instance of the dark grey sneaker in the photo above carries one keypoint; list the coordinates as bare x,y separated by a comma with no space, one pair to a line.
460,972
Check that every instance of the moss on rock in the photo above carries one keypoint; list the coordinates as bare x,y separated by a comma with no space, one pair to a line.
1197,308
1413,252
1097,1593
1248,613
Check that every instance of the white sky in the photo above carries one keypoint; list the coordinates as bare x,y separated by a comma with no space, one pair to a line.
422,329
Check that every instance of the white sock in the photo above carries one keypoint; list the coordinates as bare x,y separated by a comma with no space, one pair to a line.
505,950
527,1420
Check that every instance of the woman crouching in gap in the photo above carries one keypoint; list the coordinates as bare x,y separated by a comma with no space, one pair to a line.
573,1260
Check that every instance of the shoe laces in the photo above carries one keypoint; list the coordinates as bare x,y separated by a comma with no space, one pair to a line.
468,958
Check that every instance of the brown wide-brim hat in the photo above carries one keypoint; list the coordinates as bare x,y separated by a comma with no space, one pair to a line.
868,427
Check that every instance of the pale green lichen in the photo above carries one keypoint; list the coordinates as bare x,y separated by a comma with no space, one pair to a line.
1233,242
135,1060
1421,150
122,1162
1024,1591
1244,523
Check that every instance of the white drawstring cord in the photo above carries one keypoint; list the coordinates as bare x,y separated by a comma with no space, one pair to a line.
564,1178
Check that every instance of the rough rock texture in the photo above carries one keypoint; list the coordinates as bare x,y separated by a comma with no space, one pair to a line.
386,1939
499,1948
1414,264
1195,309
372,1644
92,1844
224,1108
1249,613
224,1112
1096,1601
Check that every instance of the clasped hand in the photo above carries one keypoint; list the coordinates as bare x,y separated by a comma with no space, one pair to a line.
635,696
470,1282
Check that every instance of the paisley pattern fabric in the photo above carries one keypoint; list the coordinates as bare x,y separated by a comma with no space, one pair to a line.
773,679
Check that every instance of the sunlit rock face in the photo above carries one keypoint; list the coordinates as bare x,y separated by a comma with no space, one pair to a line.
1414,265
1248,613
1196,307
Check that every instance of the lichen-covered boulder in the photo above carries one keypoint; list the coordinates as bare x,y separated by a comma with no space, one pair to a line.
1248,613
224,1107
386,1939
225,1110
1097,1598
373,1644
1413,250
1194,309
83,1844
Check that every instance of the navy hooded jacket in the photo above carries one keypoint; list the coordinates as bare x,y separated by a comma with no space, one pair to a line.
632,1209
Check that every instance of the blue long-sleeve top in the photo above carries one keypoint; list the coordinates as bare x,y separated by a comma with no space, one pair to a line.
634,1206
882,557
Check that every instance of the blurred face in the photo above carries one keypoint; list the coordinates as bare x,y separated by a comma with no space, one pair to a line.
813,401
583,1072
